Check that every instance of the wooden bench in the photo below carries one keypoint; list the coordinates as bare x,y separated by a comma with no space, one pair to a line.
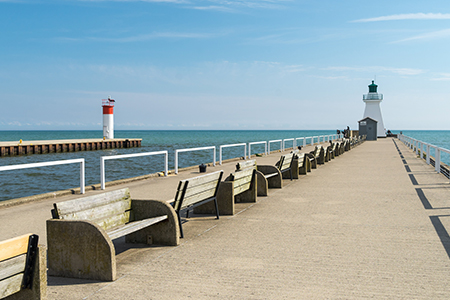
270,176
319,154
240,186
330,151
304,162
347,145
336,148
285,165
23,268
195,192
79,237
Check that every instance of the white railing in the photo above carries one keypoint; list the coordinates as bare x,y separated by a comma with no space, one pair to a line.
414,145
193,149
256,143
286,140
52,163
275,141
103,158
233,145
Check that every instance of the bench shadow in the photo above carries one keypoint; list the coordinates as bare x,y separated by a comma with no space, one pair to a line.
61,281
441,232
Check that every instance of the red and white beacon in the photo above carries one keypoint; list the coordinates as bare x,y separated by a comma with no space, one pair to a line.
108,118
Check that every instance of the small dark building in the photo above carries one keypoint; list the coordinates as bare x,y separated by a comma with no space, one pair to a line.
368,127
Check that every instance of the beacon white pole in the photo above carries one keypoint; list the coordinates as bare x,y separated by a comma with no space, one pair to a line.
108,118
373,110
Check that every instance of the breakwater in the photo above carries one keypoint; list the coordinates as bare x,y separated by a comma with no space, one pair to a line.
59,146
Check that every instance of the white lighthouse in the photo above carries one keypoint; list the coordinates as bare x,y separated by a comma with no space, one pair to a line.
373,109
108,118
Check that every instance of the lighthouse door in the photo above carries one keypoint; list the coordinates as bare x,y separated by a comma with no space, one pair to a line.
105,131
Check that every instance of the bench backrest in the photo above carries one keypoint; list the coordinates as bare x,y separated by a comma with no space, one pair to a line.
285,161
242,180
248,164
108,210
197,189
17,257
300,157
317,151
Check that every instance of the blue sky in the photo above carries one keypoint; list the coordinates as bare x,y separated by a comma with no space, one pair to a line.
223,64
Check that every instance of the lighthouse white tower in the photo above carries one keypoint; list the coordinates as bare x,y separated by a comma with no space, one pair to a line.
108,118
373,110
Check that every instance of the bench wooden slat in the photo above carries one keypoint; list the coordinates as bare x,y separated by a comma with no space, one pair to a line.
246,165
135,226
286,162
12,266
188,201
72,206
243,181
113,221
192,191
242,188
13,247
199,180
10,285
98,212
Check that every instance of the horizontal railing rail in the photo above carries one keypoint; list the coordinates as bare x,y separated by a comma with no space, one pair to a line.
274,141
104,158
52,163
424,149
256,143
191,150
287,140
232,145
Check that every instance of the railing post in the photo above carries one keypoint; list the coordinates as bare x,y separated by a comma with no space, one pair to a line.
82,179
438,160
102,173
214,162
166,163
245,151
176,161
428,154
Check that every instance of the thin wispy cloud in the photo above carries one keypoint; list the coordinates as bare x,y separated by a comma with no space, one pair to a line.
440,34
214,7
398,17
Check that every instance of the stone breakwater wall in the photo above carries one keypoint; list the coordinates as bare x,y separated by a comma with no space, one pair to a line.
60,146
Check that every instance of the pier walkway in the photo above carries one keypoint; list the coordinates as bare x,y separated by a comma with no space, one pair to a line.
372,223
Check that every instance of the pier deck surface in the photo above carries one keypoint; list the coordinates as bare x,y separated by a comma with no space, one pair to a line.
372,223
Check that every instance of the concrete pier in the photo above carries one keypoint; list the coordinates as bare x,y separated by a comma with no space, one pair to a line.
58,146
372,223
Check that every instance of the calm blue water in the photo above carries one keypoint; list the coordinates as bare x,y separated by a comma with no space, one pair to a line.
21,183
